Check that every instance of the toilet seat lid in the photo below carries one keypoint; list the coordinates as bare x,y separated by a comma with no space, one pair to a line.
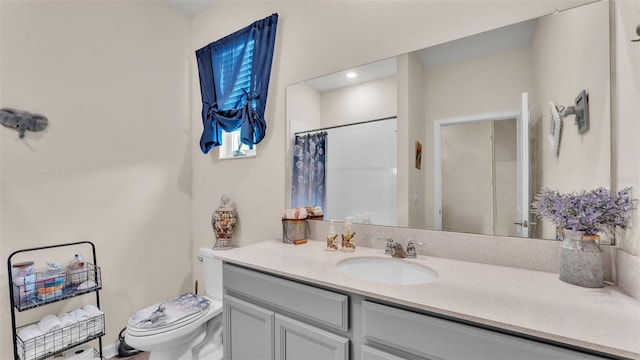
169,313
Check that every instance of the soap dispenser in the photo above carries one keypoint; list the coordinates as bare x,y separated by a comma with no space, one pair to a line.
348,241
77,270
332,236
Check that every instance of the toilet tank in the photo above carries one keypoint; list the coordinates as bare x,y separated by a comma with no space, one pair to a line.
211,272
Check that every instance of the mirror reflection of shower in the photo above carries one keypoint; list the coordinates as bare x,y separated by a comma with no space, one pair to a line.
361,172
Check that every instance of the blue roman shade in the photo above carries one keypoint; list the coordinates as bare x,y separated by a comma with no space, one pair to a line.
234,80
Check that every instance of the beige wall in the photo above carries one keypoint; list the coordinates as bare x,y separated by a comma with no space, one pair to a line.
114,165
411,98
303,107
367,101
561,43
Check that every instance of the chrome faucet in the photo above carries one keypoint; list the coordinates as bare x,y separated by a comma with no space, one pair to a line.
411,250
389,249
397,251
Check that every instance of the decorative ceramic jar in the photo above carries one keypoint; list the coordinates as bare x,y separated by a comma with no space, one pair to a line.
224,221
581,260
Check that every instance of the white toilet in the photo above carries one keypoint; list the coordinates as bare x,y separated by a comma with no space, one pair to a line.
183,328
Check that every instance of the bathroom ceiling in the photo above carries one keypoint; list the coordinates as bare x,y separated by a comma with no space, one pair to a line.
190,7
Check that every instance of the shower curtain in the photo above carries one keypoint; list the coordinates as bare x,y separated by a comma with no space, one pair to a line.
308,178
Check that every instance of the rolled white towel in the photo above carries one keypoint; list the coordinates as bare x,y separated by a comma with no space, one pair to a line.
80,329
79,315
89,284
32,343
94,325
49,323
292,214
54,341
92,310
29,332
66,319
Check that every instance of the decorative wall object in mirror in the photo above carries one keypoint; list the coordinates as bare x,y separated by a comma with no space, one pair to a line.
482,163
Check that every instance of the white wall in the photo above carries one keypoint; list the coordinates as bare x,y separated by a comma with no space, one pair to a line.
114,165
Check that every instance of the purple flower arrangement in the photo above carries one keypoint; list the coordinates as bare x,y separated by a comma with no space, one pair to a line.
596,211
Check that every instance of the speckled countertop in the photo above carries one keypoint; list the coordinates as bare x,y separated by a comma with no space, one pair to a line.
524,301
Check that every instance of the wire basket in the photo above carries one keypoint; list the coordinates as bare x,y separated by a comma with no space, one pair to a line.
57,341
51,288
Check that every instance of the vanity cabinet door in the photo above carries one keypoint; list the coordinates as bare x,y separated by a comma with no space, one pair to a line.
435,338
248,330
297,340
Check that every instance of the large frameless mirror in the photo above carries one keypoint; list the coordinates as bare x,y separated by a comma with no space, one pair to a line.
472,141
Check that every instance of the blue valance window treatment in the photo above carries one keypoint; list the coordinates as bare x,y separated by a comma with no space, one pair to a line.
234,81
308,186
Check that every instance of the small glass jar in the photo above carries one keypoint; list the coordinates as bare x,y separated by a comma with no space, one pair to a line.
332,237
348,236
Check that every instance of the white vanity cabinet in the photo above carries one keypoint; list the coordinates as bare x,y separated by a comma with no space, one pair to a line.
266,317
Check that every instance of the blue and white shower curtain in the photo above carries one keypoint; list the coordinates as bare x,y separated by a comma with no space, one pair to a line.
309,171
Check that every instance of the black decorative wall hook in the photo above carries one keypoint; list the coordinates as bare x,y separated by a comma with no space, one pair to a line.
22,120
637,32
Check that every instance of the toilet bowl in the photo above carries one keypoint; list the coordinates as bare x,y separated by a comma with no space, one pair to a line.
186,327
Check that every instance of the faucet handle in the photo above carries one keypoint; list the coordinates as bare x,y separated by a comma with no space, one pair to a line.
411,249
389,249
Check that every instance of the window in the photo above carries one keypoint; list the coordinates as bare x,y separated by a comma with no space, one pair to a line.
231,146
234,80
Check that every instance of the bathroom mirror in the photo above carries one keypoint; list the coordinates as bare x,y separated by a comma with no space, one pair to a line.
547,59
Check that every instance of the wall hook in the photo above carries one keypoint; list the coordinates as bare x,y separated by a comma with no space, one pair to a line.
22,120
637,33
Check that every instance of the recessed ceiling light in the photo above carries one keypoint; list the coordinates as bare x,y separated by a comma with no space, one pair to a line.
351,75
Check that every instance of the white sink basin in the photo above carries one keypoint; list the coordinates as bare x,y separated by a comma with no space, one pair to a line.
387,270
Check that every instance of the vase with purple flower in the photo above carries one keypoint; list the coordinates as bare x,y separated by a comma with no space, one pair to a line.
580,219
